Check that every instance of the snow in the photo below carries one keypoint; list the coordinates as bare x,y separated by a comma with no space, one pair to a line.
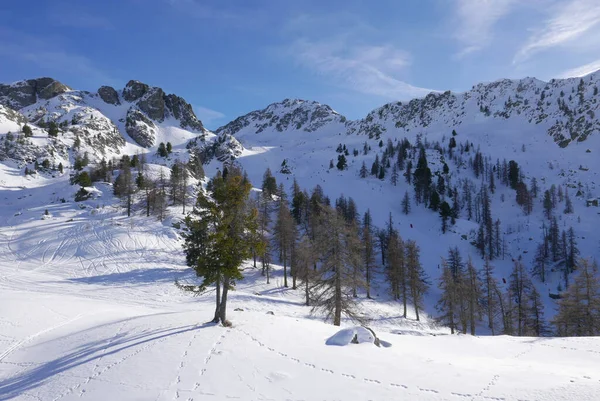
350,335
88,310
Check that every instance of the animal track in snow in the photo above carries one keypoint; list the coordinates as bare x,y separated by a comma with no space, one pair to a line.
398,385
372,381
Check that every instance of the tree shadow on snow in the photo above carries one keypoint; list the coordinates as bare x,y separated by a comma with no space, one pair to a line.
33,378
132,277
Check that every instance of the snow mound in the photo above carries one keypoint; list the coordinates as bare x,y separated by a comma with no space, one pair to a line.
352,335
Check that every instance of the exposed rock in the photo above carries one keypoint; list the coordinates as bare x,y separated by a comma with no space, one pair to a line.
50,90
140,128
182,111
24,93
134,90
270,313
238,310
153,104
223,148
109,95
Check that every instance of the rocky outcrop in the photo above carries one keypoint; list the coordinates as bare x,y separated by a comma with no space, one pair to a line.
153,103
182,111
140,128
109,95
134,90
24,93
158,106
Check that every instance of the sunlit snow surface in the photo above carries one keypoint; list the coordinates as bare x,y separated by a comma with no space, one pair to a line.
88,311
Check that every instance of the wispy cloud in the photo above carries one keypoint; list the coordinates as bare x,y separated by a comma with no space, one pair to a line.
368,69
581,70
208,116
570,20
476,20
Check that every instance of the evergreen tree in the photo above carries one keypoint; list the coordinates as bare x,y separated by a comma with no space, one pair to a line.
341,163
568,203
269,184
217,237
284,233
368,250
448,302
445,214
332,292
363,171
490,288
53,129
416,276
124,186
579,307
27,131
406,203
162,150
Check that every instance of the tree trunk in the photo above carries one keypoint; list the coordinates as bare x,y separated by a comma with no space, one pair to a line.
217,302
285,283
337,319
306,291
368,281
223,305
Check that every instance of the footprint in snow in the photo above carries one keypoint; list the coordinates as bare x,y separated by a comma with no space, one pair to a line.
372,381
398,385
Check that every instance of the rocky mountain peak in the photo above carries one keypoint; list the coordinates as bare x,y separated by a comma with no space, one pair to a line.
24,93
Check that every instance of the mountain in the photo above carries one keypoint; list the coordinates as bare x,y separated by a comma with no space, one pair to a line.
106,123
93,309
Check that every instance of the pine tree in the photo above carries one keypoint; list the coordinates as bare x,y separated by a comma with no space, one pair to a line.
445,214
568,203
548,205
448,302
520,288
490,288
396,270
579,307
284,233
363,171
416,276
27,131
162,150
332,292
474,294
124,186
217,238
368,250
406,203
269,184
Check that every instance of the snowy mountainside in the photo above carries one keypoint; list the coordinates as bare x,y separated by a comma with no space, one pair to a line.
88,309
105,124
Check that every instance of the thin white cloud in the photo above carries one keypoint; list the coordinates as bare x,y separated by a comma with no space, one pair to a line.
570,20
206,115
476,20
367,69
581,70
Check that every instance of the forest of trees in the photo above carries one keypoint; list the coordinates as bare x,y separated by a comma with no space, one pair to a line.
333,253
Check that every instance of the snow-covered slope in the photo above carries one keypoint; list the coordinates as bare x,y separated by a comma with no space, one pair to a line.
105,124
88,308
89,311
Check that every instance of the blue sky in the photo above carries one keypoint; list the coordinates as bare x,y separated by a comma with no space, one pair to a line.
231,57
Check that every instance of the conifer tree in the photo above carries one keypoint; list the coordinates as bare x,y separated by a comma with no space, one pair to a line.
406,203
218,234
448,302
368,250
416,276
284,233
